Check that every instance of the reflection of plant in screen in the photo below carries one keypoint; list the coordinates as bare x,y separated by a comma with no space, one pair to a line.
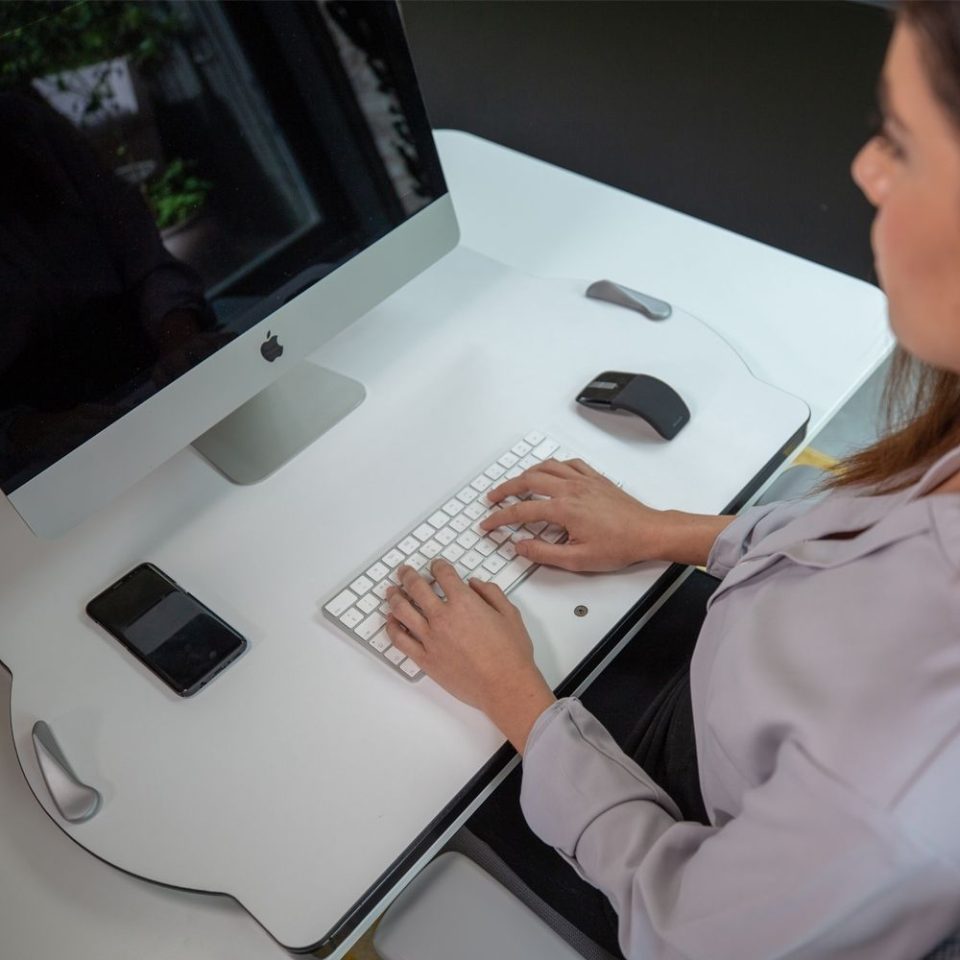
40,38
177,194
87,58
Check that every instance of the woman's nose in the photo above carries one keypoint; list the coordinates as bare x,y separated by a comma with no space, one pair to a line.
870,171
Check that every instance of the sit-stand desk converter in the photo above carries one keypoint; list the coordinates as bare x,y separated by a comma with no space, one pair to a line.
308,769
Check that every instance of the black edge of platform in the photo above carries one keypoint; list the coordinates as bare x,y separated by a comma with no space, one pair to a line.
388,879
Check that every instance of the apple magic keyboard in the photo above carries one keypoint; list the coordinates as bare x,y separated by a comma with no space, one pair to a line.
359,606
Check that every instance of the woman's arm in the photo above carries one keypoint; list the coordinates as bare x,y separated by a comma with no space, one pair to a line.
607,529
804,869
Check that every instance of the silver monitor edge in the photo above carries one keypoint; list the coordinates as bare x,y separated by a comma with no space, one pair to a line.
93,474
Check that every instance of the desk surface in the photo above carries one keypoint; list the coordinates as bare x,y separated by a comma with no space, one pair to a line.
625,225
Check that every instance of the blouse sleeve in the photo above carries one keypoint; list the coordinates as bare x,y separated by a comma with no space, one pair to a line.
749,528
806,870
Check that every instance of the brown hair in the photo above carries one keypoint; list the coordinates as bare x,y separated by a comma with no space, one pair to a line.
921,403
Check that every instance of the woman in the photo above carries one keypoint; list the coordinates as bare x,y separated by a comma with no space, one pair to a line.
825,683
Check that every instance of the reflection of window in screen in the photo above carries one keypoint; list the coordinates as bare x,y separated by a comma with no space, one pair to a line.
378,97
213,109
191,128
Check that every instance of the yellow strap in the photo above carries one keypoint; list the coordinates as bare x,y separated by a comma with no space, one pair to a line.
808,457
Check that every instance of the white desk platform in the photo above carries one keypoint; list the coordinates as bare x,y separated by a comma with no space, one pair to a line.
347,734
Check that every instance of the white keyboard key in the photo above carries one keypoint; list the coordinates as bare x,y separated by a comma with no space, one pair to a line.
380,641
453,552
512,572
445,536
467,495
452,507
417,561
494,471
536,526
378,571
467,539
545,449
521,448
410,668
507,550
508,460
481,483
423,532
369,603
500,534
438,519
477,529
409,545
476,510
351,618
471,559
393,559
481,574
380,590
534,437
361,585
528,461
462,571
373,624
341,602
522,534
461,523
394,655
430,549
553,533
513,472
494,563
485,546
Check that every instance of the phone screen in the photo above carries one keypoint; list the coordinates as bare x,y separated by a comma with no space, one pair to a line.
183,642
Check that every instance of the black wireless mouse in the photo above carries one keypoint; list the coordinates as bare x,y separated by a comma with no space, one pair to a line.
647,397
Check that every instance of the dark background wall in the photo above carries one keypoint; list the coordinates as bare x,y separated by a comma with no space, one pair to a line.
745,114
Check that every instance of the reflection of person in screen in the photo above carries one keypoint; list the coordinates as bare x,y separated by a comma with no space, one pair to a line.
96,313
792,791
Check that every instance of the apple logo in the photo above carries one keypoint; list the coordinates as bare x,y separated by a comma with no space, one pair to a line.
270,348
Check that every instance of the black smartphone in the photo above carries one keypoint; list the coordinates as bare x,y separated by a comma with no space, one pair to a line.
167,629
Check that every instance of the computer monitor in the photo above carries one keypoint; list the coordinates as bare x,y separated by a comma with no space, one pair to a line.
194,197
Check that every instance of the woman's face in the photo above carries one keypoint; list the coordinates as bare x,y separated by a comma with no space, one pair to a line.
911,173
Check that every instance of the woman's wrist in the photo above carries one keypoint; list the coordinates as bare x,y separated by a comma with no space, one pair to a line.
689,537
517,707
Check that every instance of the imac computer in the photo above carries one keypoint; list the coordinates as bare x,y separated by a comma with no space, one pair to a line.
196,196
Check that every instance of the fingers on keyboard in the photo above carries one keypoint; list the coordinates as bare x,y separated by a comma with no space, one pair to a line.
455,534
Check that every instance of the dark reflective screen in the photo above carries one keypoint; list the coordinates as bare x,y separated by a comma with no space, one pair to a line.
170,174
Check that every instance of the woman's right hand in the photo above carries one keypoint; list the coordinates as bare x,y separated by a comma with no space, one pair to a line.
607,529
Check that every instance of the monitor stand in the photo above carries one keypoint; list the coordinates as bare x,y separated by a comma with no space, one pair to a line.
280,421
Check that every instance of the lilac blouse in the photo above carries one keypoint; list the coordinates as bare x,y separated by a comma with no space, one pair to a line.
826,702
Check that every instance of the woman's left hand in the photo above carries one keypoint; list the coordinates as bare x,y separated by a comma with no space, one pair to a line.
473,643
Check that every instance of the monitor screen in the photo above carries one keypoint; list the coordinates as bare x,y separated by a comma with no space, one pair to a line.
172,174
